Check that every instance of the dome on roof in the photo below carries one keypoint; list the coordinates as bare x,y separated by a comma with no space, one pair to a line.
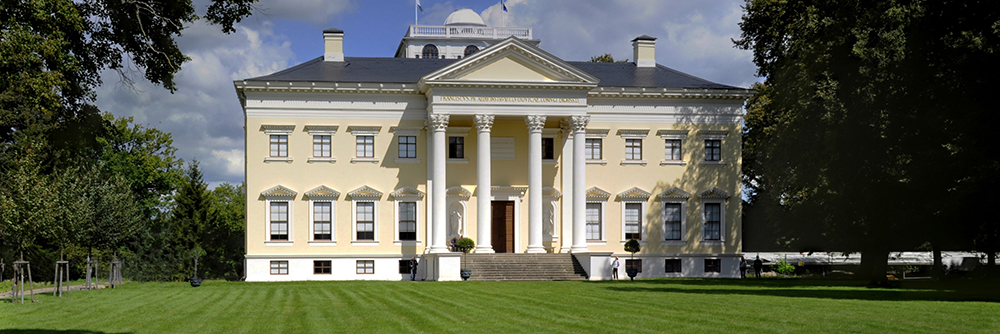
464,17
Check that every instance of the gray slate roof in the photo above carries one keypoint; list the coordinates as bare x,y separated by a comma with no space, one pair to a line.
410,70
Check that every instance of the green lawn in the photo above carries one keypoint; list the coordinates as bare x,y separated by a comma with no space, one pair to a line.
647,306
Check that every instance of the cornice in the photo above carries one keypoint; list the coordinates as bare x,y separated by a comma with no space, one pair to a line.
325,87
670,93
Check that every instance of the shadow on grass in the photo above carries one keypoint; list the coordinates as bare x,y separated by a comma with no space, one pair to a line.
954,291
51,331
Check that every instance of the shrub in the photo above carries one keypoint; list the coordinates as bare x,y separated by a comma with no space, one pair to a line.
783,267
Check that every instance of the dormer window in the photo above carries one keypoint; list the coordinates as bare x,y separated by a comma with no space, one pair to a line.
430,51
469,50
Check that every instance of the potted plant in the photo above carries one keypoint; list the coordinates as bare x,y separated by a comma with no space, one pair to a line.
465,245
632,246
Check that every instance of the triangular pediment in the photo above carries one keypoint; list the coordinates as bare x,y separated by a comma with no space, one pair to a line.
458,191
365,192
322,192
714,193
634,194
511,61
407,192
278,191
597,194
673,193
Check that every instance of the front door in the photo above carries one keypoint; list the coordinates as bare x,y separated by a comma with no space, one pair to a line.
503,226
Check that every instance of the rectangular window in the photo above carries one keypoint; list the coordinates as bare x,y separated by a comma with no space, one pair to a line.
593,221
713,221
366,220
279,221
407,146
672,221
366,146
633,221
713,265
366,267
672,266
713,150
548,148
673,149
404,266
321,146
279,145
637,264
592,149
322,267
279,267
407,221
633,149
322,221
456,147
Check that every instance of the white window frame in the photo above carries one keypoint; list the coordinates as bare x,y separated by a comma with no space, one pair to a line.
642,220
456,131
639,134
713,135
604,224
358,262
322,130
333,222
722,221
395,206
359,131
673,135
279,130
267,213
354,222
272,267
663,218
601,134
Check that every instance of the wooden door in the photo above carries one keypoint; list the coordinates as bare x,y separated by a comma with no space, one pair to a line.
503,226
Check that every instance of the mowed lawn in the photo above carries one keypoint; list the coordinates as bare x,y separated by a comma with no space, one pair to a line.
645,306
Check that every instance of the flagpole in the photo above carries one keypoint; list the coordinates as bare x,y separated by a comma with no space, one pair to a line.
415,5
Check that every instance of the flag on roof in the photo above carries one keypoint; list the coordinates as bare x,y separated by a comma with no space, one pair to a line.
502,4
421,8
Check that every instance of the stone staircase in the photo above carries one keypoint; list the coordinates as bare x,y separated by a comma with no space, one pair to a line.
524,267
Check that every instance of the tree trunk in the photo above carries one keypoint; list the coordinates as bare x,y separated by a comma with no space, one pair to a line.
938,270
865,270
879,258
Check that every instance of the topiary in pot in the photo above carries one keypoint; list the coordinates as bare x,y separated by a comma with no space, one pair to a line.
632,246
465,245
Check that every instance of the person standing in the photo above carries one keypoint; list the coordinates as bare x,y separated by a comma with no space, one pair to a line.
757,265
413,268
614,268
743,267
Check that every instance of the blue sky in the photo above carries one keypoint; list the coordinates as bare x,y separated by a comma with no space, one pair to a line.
205,118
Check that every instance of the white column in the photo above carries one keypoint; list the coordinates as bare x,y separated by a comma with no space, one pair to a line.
535,125
429,209
579,124
439,123
566,166
484,180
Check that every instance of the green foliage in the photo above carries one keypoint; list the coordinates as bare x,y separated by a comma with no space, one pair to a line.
867,108
465,244
783,267
606,58
632,246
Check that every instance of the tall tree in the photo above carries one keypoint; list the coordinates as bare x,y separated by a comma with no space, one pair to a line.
226,233
868,133
191,216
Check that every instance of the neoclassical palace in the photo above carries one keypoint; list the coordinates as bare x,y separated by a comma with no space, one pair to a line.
354,165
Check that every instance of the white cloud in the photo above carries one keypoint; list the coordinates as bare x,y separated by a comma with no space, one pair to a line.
317,12
204,115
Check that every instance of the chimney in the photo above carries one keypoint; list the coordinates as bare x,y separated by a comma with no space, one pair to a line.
644,51
333,41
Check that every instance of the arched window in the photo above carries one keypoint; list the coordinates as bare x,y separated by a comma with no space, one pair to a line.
430,52
469,50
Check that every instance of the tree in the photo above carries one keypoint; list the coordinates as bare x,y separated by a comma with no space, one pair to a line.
868,109
191,217
145,157
606,58
227,232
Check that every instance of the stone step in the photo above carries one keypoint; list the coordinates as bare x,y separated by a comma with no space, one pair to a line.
523,267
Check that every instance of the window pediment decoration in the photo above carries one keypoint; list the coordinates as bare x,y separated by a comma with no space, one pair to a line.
597,194
277,129
407,193
322,129
634,194
364,130
322,192
365,192
633,133
714,193
278,191
458,191
551,192
713,134
673,194
505,190
672,134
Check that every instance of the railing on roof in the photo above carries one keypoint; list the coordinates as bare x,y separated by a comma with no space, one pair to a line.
467,31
